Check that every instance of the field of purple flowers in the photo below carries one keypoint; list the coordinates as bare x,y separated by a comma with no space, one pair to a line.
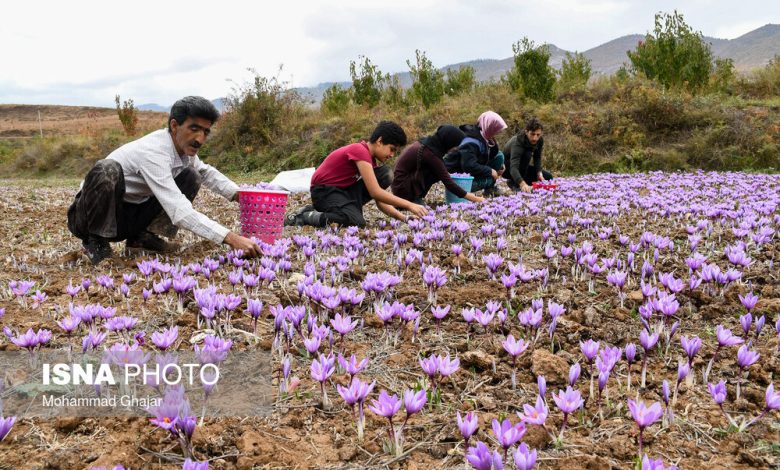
618,321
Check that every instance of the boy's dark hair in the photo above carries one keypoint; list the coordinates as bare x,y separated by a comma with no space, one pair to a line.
193,106
533,124
390,132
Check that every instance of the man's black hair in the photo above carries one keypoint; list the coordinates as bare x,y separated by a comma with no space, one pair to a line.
390,132
193,106
533,124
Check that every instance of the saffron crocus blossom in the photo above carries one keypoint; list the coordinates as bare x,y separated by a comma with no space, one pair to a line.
524,458
387,406
746,321
568,402
749,301
648,342
515,348
193,465
725,339
649,464
574,373
590,349
630,351
165,339
5,426
352,366
535,414
321,370
691,347
644,416
343,325
481,458
507,434
745,359
439,313
356,395
255,308
468,426
434,277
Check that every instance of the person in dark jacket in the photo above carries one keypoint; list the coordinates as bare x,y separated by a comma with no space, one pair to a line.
520,150
479,154
420,166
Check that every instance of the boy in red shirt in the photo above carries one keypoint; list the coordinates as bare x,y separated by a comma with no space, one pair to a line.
353,175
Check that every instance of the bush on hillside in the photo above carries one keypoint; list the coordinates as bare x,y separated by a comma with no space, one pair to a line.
531,75
674,55
427,80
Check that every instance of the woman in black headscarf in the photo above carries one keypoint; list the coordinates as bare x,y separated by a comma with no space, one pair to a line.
421,165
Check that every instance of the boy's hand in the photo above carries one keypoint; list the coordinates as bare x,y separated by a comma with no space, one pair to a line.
524,187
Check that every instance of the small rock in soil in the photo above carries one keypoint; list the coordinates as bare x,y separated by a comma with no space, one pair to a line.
555,369
478,359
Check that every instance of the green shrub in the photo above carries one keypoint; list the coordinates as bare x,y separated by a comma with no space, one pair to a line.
460,81
367,83
531,75
128,115
335,100
723,76
427,80
575,72
674,55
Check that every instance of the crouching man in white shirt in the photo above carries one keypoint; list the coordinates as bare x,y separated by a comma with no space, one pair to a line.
146,187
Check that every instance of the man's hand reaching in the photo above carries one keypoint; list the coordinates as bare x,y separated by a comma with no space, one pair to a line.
237,242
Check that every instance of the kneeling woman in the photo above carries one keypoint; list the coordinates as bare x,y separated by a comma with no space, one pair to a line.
421,165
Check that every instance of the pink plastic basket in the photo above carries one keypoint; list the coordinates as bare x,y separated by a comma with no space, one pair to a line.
262,213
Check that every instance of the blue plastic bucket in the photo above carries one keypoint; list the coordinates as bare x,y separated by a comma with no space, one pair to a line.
462,181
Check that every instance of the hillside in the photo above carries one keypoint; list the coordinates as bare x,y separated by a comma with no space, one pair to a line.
749,51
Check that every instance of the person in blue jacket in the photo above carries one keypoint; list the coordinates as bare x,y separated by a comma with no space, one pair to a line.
479,155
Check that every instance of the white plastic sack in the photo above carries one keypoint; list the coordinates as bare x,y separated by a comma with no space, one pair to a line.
295,181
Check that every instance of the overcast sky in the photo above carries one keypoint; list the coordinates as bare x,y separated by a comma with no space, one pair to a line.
85,52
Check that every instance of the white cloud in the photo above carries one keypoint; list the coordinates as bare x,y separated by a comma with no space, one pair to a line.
85,52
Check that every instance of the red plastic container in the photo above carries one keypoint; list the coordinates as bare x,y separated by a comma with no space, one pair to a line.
262,213
547,186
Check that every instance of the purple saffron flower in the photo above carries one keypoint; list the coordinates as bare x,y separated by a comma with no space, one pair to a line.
568,401
771,398
514,347
589,349
356,392
507,434
194,465
746,357
718,391
448,366
647,340
165,339
414,401
746,321
630,353
343,324
481,458
574,373
649,464
524,458
535,414
644,416
352,366
5,426
29,340
386,406
691,347
468,425
726,338
749,301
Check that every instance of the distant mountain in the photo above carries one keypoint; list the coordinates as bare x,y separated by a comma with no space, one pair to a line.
749,51
153,107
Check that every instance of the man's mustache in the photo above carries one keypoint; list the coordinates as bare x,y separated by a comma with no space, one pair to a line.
195,144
